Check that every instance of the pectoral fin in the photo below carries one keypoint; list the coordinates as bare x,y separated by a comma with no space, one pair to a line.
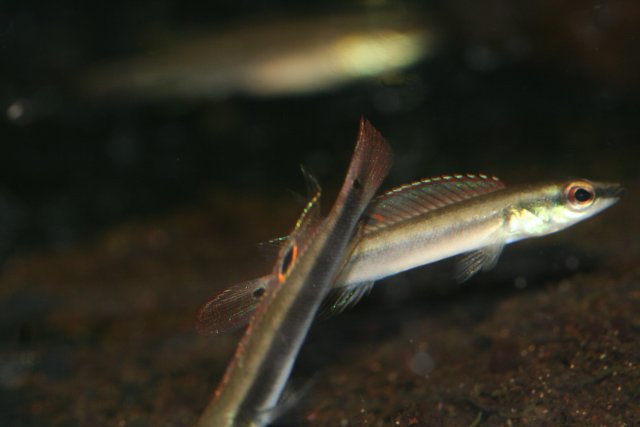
482,259
339,299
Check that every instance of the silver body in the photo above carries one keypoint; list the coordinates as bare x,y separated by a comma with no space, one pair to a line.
425,239
497,218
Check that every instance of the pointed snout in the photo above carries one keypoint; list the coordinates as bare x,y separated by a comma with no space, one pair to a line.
608,190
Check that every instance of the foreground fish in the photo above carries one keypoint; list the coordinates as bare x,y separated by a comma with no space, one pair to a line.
281,57
430,220
305,270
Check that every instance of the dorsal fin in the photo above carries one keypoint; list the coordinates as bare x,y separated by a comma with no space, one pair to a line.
311,212
410,200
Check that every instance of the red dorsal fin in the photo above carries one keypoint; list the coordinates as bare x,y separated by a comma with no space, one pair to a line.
417,198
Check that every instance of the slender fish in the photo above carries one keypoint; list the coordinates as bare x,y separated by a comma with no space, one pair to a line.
429,220
305,270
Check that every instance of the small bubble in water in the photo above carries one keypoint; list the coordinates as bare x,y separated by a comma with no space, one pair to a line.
572,263
520,282
15,111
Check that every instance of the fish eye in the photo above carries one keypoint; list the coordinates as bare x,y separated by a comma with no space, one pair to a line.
580,194
287,260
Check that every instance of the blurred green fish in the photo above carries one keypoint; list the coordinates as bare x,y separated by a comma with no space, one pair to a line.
429,220
282,57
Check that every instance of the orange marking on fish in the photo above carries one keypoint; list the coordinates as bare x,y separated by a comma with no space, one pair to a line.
378,217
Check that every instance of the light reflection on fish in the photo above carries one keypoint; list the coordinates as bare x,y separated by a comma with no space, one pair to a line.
433,219
294,56
304,272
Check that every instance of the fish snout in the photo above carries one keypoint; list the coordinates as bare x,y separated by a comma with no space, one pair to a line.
610,191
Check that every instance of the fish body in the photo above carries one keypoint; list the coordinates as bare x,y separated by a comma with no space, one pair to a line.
424,222
485,223
304,272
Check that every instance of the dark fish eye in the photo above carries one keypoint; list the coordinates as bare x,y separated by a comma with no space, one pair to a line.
582,195
287,260
258,292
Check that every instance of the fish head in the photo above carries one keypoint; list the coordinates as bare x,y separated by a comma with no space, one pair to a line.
581,199
556,206
547,208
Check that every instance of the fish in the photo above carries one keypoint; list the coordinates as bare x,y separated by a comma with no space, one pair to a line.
473,216
275,57
305,269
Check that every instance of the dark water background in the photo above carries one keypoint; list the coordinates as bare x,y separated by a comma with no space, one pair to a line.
95,194
550,90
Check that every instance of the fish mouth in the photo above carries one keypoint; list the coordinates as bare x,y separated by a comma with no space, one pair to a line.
610,191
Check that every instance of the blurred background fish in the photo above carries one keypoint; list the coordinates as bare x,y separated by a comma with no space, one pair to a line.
271,57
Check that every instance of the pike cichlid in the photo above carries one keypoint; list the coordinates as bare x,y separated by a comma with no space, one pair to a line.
303,275
429,220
